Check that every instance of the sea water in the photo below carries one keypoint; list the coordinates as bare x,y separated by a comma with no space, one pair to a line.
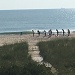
37,19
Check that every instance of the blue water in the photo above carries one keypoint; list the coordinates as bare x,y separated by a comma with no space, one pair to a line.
41,19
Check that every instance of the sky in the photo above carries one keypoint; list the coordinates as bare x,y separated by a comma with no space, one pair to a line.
36,4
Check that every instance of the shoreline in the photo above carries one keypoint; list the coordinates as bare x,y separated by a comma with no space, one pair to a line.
23,32
35,30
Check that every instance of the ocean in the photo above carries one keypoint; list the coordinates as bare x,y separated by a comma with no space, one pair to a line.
36,19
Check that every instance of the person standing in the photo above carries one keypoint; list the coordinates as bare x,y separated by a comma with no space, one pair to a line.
68,32
45,32
33,32
38,33
57,32
63,31
21,33
50,33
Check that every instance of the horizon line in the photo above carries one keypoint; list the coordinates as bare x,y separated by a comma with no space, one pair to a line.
37,9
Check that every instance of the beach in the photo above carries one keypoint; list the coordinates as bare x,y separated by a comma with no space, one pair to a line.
16,38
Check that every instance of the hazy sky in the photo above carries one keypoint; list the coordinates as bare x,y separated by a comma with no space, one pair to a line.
36,4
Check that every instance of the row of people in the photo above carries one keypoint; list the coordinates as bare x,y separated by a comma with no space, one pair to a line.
50,32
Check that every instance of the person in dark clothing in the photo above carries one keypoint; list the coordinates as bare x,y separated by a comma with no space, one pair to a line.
63,31
33,32
50,33
21,33
57,32
68,32
45,32
38,33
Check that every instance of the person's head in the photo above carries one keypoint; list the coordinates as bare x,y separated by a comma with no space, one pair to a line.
38,31
32,30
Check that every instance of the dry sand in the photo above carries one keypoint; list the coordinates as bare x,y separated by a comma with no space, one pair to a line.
15,38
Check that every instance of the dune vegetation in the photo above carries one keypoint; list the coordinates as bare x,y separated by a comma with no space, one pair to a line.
14,60
60,53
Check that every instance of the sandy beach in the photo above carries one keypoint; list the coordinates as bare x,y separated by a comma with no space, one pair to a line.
15,38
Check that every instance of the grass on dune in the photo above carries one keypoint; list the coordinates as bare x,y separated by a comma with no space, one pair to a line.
14,60
13,54
61,54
